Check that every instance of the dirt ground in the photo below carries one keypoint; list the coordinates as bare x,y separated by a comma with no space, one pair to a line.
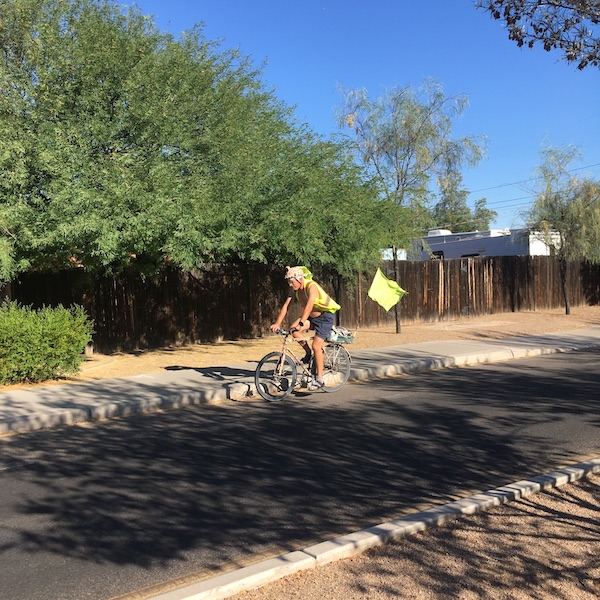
232,352
543,547
101,366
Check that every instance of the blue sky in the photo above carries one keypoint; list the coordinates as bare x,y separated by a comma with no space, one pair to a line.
521,99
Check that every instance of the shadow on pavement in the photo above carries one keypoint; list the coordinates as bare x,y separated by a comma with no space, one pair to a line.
542,547
223,480
218,373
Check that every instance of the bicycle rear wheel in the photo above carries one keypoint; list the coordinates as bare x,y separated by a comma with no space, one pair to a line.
275,376
336,369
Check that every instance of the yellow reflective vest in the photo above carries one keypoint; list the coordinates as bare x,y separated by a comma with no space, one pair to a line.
323,301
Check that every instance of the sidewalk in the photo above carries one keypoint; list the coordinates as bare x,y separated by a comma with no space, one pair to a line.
51,406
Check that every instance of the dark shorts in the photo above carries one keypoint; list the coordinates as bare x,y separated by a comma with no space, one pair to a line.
322,324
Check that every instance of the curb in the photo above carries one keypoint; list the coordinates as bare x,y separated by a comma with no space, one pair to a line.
430,364
48,416
270,570
147,399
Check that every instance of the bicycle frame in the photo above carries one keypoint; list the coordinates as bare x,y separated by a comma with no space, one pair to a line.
285,350
277,373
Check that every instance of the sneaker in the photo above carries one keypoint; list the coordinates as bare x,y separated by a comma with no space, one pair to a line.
315,385
307,358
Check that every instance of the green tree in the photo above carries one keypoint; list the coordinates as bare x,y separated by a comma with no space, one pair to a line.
91,125
566,213
452,211
568,25
124,148
404,139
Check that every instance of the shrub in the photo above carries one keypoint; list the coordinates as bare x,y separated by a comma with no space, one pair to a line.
37,345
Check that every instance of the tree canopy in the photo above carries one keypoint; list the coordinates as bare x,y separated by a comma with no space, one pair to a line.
404,138
452,211
123,147
566,211
570,26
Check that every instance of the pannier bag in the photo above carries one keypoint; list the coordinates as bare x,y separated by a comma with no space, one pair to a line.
340,335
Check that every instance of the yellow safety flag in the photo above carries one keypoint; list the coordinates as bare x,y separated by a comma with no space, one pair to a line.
384,291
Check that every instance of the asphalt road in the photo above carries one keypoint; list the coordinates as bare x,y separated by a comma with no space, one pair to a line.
101,510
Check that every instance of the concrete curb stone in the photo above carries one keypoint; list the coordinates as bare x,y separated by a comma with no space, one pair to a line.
52,406
267,571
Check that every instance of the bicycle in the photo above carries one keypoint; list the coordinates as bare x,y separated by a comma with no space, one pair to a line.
276,375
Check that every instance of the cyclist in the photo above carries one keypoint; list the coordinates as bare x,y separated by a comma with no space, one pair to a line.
318,310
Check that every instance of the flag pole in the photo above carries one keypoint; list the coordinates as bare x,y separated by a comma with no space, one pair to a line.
358,300
397,307
361,304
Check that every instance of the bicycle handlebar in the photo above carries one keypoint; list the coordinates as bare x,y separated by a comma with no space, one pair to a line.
284,331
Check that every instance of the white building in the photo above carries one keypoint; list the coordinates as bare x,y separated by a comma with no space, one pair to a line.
441,243
388,254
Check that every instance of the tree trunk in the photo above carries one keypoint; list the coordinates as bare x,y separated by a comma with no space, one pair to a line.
563,267
397,306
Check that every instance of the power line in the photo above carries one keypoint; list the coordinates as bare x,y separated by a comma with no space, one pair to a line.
511,204
510,200
512,209
496,187
508,206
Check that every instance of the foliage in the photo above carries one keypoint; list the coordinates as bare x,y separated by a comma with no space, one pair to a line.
453,213
405,139
37,345
124,148
567,25
567,206
566,211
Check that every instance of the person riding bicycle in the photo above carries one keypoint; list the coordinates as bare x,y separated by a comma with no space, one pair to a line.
318,309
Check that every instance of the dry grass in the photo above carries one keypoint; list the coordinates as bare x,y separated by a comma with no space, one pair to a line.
100,366
234,352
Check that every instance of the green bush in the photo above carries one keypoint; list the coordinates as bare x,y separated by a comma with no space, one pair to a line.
37,345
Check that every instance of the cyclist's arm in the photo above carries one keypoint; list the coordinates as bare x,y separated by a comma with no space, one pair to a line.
277,325
313,292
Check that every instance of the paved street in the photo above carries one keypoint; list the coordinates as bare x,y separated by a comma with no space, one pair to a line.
544,546
137,501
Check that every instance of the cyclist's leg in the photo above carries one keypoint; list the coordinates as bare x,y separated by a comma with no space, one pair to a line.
318,355
298,335
322,326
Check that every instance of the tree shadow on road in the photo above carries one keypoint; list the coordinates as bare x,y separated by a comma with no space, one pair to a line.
539,547
234,480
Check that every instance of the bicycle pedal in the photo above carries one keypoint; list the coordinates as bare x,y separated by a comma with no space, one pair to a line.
306,359
305,382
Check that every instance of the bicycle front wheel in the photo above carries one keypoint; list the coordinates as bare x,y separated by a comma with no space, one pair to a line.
336,369
275,376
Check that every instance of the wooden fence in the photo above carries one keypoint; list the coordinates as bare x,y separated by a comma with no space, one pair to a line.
240,301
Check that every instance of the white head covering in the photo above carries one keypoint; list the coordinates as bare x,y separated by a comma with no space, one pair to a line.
294,272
